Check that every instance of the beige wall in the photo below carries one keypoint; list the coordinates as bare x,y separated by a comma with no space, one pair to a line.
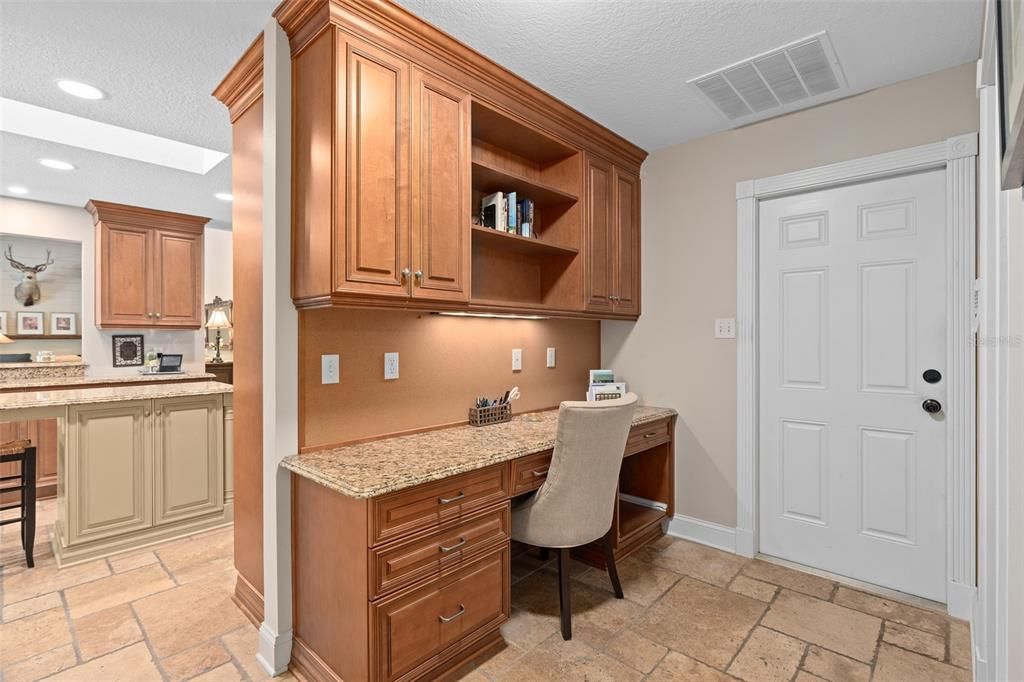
689,257
1015,460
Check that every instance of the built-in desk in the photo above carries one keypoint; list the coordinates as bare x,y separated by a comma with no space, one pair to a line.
401,547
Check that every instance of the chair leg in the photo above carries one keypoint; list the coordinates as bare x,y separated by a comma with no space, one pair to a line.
609,560
563,593
28,504
544,553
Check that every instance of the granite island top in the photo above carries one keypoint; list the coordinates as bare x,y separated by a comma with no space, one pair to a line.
108,394
102,379
377,467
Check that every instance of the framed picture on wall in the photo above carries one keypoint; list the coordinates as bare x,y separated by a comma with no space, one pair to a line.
63,324
3,322
30,324
1010,37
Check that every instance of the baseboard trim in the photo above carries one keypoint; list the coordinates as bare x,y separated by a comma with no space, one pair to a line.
249,600
704,532
307,666
960,600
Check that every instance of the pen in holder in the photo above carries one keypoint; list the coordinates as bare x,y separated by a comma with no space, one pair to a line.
494,414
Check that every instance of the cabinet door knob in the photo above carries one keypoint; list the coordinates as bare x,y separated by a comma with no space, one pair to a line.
418,275
157,315
405,274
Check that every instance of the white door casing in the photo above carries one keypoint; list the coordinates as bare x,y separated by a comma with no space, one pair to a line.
957,156
852,311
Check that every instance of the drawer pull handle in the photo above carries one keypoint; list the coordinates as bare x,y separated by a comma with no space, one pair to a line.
445,550
651,435
449,500
543,472
448,619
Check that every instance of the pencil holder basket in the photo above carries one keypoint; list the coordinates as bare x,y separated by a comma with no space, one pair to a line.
495,414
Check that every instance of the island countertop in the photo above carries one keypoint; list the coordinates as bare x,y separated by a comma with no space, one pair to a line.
60,382
107,394
377,467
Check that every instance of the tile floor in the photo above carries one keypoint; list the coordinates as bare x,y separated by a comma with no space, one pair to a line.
690,613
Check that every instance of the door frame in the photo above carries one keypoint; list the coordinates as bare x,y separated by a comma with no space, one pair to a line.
957,157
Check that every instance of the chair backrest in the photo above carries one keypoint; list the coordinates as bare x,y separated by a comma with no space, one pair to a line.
578,496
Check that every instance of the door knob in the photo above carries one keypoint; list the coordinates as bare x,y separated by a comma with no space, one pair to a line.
931,406
405,274
418,275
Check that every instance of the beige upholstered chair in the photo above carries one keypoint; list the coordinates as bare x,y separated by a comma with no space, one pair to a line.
574,505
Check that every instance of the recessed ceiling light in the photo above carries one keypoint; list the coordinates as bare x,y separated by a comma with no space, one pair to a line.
17,189
83,90
55,164
224,196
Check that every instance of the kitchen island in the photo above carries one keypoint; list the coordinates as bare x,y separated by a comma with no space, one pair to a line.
415,530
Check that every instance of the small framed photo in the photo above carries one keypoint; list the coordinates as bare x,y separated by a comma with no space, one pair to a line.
30,324
3,322
63,324
129,350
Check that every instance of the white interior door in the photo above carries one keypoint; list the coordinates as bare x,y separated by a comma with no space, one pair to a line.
852,314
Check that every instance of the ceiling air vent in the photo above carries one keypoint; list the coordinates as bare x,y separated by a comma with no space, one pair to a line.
801,74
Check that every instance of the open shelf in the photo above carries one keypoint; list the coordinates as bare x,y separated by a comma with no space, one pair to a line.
510,134
513,242
488,179
634,517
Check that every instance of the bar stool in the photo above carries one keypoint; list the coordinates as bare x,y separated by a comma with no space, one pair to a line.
24,452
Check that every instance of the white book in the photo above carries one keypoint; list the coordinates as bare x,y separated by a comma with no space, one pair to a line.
493,211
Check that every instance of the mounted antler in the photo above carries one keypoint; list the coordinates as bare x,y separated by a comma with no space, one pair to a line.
17,265
43,266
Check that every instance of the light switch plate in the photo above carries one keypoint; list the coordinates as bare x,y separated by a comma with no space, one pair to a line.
330,369
517,359
390,366
725,328
551,357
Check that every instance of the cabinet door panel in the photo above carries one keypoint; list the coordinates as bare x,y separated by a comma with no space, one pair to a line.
376,221
109,478
177,275
188,459
627,242
440,197
124,281
599,237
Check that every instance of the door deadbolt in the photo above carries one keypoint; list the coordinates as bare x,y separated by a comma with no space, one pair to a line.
932,376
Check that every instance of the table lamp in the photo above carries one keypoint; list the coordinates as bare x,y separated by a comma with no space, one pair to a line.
4,339
218,320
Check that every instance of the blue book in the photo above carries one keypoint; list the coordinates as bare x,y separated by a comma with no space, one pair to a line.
512,212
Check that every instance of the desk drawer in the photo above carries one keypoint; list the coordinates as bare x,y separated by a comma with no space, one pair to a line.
414,629
399,564
530,471
428,505
646,436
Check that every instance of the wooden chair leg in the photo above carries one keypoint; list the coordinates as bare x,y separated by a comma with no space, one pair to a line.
563,593
609,560
28,504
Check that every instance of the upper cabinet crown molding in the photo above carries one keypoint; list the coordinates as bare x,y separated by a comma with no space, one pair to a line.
244,83
107,212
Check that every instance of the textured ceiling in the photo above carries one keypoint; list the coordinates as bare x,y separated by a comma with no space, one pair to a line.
625,63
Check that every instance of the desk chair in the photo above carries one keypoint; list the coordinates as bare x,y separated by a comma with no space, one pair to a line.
24,452
575,504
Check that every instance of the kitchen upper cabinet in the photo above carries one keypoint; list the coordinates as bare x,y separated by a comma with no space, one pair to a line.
626,243
598,245
612,240
441,189
149,268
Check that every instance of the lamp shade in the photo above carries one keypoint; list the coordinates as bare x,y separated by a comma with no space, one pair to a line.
218,320
4,339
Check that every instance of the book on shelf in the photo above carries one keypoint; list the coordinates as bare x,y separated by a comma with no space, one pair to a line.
492,211
505,212
513,209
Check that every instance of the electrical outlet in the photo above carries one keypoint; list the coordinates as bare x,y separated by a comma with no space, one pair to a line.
390,366
725,328
551,357
330,369
517,359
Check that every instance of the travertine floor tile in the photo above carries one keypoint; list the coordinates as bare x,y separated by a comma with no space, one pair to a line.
41,665
768,656
960,643
840,629
804,676
21,609
704,563
789,578
195,661
556,660
897,665
918,641
641,582
755,589
243,644
224,673
702,621
526,630
893,610
105,631
499,661
33,635
48,578
832,666
182,617
198,556
119,588
127,562
131,663
635,651
676,667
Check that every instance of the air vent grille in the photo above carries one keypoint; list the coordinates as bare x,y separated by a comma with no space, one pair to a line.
791,77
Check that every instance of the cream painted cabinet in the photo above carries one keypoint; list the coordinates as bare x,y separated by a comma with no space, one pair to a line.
188,457
109,470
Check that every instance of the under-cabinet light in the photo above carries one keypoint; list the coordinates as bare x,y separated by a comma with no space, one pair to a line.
499,316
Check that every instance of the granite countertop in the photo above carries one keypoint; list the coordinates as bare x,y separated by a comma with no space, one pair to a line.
40,365
108,394
71,382
383,466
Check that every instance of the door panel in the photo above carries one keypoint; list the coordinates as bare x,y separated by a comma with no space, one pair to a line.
599,238
852,311
377,181
177,277
440,197
124,271
189,458
627,243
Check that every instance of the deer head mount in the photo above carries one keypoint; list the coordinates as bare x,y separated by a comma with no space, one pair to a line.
27,292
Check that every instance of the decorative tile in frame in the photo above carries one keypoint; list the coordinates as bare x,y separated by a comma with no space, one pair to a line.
30,324
63,324
129,350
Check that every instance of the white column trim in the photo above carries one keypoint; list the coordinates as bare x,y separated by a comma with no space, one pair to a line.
957,156
280,354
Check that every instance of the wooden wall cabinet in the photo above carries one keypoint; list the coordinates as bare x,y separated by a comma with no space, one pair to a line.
149,267
612,240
